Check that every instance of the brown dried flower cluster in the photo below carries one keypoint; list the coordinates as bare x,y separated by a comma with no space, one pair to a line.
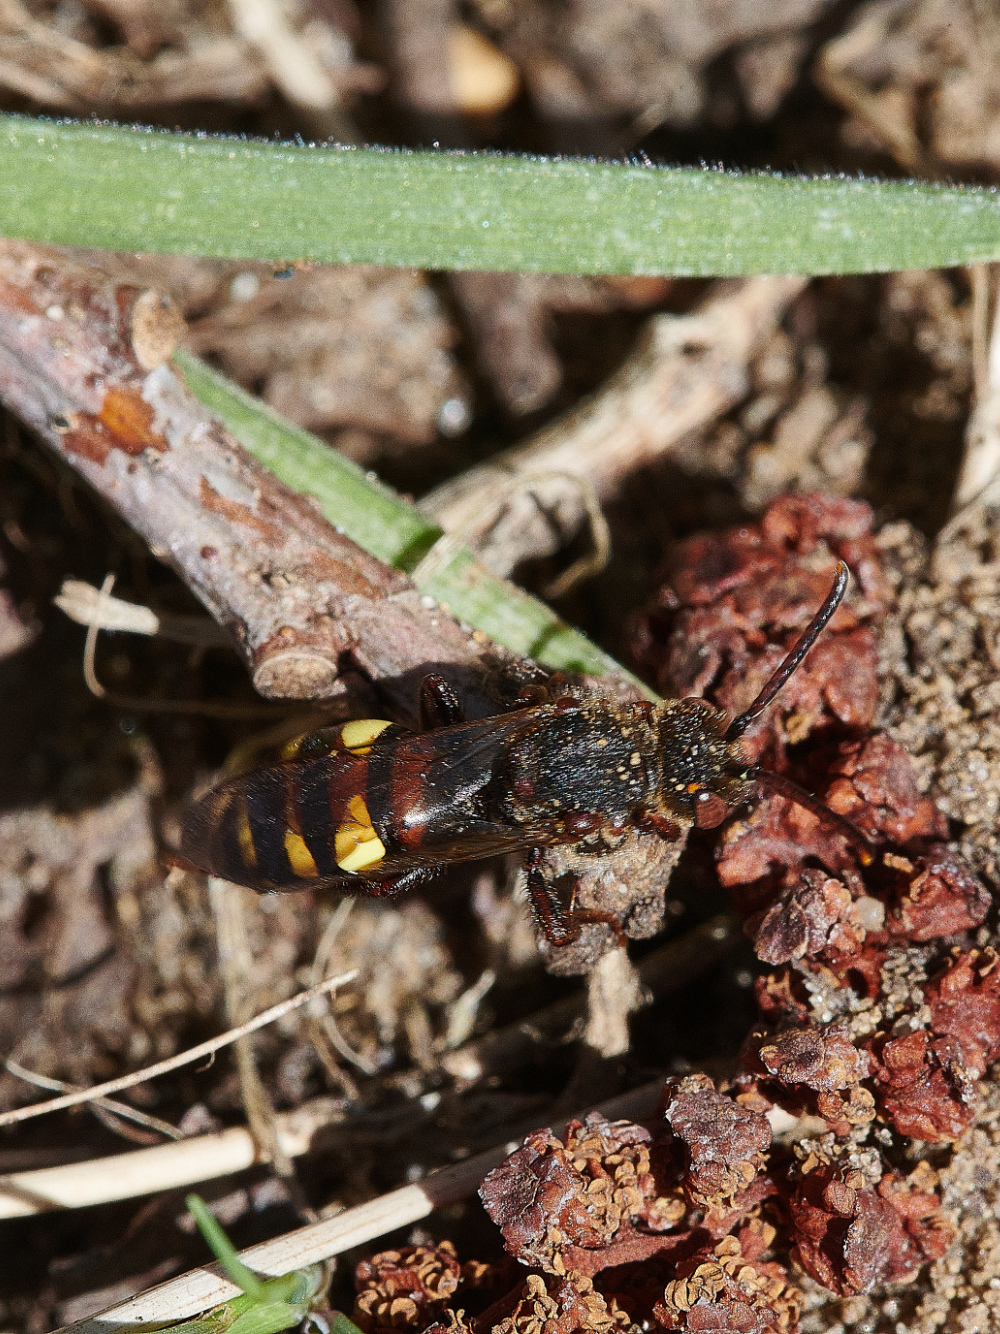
734,602
550,1305
685,1250
879,1015
851,1236
720,1288
561,1206
405,1289
724,1144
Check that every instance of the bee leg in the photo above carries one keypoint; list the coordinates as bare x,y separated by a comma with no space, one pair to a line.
389,887
558,927
545,906
652,822
439,706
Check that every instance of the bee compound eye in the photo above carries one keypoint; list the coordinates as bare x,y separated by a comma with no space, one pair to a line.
709,810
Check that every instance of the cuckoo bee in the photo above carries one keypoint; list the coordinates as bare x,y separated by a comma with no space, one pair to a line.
369,806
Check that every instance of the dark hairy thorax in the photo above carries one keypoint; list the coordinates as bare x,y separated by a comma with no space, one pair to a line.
591,757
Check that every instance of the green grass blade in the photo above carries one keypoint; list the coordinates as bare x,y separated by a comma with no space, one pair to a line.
381,522
129,189
222,1248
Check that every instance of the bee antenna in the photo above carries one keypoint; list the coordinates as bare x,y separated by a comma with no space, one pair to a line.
780,786
809,636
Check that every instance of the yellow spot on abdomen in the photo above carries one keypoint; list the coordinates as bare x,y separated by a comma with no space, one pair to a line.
356,844
299,856
362,855
290,750
359,812
244,836
357,736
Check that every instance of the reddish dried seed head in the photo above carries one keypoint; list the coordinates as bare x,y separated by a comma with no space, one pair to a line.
562,1306
818,917
720,1288
852,1237
810,1069
824,921
405,1289
550,1198
873,783
939,896
724,1143
736,600
926,1080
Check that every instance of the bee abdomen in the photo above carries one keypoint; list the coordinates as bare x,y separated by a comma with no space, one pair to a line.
237,831
284,828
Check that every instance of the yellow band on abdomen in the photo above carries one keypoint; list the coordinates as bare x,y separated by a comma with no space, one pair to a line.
299,856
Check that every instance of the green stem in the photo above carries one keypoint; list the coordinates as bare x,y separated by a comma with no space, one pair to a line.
127,189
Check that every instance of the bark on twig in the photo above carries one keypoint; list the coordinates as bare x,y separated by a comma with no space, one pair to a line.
533,499
83,361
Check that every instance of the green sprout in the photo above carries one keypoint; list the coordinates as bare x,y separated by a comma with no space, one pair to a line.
267,1305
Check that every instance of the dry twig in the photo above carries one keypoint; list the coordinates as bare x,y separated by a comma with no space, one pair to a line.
40,62
532,499
236,969
293,66
125,1176
83,360
981,460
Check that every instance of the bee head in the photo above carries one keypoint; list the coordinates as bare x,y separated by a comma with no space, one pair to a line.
704,773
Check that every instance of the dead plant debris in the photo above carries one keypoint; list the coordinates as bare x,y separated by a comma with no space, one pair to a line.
879,1008
826,1158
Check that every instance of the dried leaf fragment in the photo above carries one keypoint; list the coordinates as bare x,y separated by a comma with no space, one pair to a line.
724,1143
